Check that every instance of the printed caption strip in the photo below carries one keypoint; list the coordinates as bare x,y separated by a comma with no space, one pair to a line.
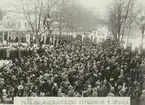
72,101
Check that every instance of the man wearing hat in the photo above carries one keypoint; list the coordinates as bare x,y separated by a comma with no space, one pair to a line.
142,98
54,91
71,92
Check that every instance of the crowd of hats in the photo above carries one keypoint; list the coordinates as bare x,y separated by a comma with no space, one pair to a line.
74,69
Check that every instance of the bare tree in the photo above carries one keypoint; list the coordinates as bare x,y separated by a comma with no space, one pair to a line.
1,14
140,21
49,15
78,18
119,17
40,14
69,16
32,11
61,15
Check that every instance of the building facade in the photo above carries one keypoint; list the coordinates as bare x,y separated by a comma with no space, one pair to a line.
14,27
99,35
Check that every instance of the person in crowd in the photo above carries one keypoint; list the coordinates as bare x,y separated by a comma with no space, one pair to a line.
74,68
142,98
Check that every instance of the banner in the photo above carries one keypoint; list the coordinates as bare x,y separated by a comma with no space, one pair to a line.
72,101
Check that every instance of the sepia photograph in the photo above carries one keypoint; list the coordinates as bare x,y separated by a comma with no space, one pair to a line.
72,52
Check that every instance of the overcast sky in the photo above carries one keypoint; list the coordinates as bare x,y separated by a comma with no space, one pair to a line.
101,5
95,3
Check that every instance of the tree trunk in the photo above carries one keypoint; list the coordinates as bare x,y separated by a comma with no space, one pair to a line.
118,38
122,39
142,39
60,31
128,36
37,39
127,39
51,38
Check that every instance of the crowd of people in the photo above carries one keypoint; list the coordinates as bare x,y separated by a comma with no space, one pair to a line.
15,51
73,68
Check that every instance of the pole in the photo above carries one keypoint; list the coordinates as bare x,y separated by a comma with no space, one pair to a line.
3,36
8,38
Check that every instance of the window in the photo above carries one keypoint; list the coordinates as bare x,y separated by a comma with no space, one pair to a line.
19,25
10,39
100,39
91,38
98,33
95,40
25,24
1,33
5,35
16,39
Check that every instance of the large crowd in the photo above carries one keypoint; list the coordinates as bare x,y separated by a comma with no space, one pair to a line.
73,68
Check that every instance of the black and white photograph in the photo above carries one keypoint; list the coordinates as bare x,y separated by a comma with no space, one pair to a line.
85,49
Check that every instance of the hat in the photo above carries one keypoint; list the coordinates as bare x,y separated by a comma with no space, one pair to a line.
41,72
59,89
108,68
110,94
122,66
119,76
135,82
119,87
99,74
98,62
95,89
70,87
111,79
104,81
112,88
98,83
55,84
4,90
89,86
143,91
20,87
13,76
98,87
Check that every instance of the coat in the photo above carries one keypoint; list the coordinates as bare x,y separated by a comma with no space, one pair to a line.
54,91
142,99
